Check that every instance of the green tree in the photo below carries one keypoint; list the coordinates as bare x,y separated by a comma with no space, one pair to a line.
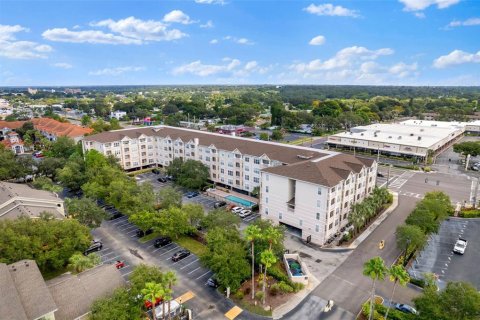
49,167
264,136
62,148
86,211
169,197
73,174
375,269
152,292
253,233
471,148
458,301
424,219
267,258
121,305
191,174
115,124
194,212
173,222
169,279
80,262
7,162
220,218
410,237
44,183
398,275
277,135
142,274
86,120
144,220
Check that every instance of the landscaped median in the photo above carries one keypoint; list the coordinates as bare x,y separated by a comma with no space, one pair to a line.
192,245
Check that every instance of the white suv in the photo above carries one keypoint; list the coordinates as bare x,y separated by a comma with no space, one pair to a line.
460,246
237,209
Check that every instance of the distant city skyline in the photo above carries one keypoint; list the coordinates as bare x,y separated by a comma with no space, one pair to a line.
393,42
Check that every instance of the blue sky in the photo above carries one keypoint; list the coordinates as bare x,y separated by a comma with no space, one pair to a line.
383,42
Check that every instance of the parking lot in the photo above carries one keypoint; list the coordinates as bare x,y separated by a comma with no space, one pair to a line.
438,256
395,174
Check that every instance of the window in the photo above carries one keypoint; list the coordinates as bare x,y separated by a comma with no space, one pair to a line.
347,192
266,211
207,158
319,191
256,180
300,222
279,216
247,169
238,156
230,164
336,222
318,215
237,173
237,165
247,177
116,144
230,181
318,203
317,228
331,214
237,182
247,159
266,199
266,188
345,204
230,173
330,226
267,176
256,161
222,171
256,171
265,161
332,189
333,201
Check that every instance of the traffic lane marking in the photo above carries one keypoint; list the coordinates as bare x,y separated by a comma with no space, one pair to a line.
185,297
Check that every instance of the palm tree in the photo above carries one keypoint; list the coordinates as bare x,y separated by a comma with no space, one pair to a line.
253,233
152,292
273,235
356,217
80,263
375,269
169,279
167,296
267,258
398,275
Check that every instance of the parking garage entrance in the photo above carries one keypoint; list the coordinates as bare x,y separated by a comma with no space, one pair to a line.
294,231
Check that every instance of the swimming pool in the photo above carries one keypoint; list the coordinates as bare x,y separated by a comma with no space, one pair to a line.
241,201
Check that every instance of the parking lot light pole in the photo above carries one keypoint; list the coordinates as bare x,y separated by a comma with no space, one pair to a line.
388,174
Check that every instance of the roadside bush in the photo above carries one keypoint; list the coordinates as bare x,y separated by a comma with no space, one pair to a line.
278,273
298,286
239,295
285,287
427,169
259,295
418,282
470,214
274,289
366,311
393,314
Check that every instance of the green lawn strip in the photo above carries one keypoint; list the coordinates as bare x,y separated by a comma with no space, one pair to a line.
191,245
149,237
256,309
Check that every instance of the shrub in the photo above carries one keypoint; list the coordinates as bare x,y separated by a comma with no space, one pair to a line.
274,289
259,295
418,282
366,311
297,286
470,214
427,169
285,287
277,272
239,295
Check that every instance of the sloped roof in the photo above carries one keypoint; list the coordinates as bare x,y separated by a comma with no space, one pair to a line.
28,287
11,124
275,151
51,126
74,294
326,172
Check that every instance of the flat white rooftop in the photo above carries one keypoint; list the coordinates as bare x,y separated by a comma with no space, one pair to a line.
403,134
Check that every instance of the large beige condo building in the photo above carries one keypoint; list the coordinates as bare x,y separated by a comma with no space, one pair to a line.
308,190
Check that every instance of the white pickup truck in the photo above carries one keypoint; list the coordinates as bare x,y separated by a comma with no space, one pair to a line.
460,246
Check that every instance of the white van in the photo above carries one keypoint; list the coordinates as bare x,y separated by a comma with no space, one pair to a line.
175,310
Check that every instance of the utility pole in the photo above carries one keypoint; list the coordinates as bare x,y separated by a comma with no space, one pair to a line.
467,161
388,175
378,155
475,194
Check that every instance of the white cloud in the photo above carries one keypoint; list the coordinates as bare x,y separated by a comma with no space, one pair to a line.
243,41
456,57
231,67
419,5
210,1
329,9
403,70
115,71
177,16
207,25
62,65
141,30
317,41
87,36
420,15
214,41
466,23
13,49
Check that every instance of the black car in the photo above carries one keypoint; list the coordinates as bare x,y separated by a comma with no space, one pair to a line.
156,171
192,194
163,241
212,282
112,215
380,175
95,246
162,179
179,255
219,204
141,233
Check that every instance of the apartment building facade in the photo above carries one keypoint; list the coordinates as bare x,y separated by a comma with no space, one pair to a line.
297,184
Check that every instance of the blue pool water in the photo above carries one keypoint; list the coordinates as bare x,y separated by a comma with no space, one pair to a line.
241,201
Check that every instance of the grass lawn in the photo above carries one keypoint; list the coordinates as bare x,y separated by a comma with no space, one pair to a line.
191,245
149,237
47,275
256,309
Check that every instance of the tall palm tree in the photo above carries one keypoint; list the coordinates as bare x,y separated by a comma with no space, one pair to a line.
398,275
80,263
169,279
273,236
152,292
167,296
253,233
267,258
375,269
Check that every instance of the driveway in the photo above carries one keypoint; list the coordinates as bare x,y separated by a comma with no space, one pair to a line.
438,256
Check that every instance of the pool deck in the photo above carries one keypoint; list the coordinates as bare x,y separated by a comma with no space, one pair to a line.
221,195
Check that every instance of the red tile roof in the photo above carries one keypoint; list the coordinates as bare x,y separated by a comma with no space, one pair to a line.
51,126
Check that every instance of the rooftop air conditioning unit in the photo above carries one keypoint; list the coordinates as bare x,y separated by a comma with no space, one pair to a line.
419,138
399,137
411,134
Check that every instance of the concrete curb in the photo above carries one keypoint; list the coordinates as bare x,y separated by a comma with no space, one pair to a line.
297,298
376,223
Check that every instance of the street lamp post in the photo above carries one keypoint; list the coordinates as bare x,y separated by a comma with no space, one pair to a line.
388,174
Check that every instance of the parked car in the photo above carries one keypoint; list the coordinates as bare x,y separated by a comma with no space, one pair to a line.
179,255
38,154
405,308
141,233
380,175
163,241
237,209
245,213
460,246
192,194
212,282
156,171
162,179
119,264
219,204
148,304
95,246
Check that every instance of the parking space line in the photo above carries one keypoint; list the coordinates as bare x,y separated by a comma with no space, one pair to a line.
209,271
188,264
106,254
129,227
194,270
130,231
126,274
168,251
118,223
159,248
111,259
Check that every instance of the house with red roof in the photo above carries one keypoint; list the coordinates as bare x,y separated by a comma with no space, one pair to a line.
13,142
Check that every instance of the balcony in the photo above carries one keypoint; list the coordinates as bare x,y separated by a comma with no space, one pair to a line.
291,204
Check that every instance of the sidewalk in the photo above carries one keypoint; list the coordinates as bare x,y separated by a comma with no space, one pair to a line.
376,223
